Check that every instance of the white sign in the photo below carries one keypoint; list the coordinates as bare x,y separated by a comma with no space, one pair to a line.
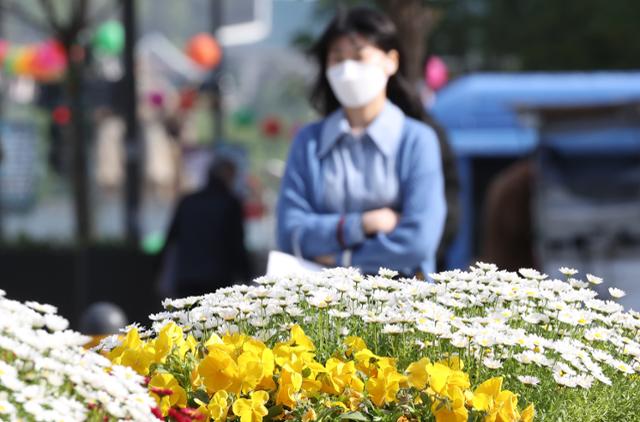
244,21
283,264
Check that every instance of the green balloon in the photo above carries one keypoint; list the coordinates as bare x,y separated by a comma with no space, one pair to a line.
10,61
244,117
153,243
109,38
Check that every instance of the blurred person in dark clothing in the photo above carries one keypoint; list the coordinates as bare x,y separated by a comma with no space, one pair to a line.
508,237
205,243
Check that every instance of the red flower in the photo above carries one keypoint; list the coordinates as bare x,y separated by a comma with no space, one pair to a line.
161,391
179,416
157,413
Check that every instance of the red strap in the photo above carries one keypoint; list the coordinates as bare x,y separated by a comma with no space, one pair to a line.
340,232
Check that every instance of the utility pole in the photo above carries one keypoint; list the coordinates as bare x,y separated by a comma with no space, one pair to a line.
132,141
217,11
3,125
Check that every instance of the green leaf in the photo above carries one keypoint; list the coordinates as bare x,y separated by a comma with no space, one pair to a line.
201,395
273,412
353,416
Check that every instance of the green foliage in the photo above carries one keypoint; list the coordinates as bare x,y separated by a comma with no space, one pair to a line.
541,34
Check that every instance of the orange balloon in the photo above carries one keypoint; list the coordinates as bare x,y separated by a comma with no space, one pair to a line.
204,50
25,60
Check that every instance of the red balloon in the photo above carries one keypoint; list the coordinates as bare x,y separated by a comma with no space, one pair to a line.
271,127
436,73
61,115
188,99
204,50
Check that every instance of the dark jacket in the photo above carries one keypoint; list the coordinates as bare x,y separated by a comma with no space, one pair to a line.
207,232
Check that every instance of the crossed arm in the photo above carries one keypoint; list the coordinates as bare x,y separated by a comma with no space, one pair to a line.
380,237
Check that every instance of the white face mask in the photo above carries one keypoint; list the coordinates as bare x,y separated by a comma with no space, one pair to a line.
355,84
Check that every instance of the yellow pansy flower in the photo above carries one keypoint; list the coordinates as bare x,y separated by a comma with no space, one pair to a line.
252,409
169,336
354,344
485,395
167,392
267,360
527,414
339,375
384,387
290,384
249,371
365,361
507,405
139,359
454,362
189,345
310,383
219,406
450,406
300,341
130,341
219,372
417,375
236,342
441,376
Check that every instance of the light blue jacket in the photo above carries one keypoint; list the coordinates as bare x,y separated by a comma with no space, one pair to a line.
332,177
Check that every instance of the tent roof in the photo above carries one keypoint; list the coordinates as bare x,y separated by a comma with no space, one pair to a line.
489,100
480,110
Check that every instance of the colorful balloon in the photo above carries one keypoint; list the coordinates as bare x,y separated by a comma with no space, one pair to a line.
4,49
244,117
25,60
61,115
50,61
156,99
204,50
188,98
10,60
109,38
436,73
271,127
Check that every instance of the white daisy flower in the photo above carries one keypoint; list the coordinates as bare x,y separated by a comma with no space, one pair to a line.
616,293
529,380
569,272
491,363
593,279
387,273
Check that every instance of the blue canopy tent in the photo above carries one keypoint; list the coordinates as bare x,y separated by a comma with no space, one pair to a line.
480,114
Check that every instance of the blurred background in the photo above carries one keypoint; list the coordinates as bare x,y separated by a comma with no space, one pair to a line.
112,110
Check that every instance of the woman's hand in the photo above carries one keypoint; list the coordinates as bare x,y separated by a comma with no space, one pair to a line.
326,260
381,220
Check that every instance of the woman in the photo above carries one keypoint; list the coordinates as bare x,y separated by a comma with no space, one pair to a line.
364,186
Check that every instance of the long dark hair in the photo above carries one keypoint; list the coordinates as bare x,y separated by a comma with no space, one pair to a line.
378,29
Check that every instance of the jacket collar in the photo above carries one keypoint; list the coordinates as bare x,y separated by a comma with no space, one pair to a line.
385,131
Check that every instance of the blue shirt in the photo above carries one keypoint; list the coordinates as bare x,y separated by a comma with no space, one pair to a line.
332,177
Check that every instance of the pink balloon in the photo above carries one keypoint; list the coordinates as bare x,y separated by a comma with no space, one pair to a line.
436,73
50,60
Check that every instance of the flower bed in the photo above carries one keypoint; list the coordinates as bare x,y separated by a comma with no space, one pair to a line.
46,375
338,345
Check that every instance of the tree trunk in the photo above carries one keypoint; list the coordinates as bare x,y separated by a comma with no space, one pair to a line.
132,139
414,21
74,81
